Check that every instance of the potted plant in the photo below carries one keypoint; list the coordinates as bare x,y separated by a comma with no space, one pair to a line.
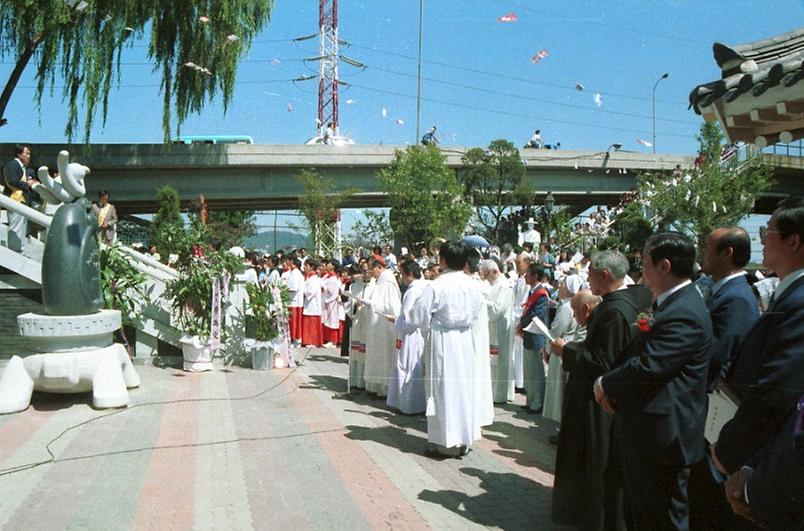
122,286
267,325
198,295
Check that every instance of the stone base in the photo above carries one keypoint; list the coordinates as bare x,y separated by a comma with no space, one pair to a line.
106,372
68,333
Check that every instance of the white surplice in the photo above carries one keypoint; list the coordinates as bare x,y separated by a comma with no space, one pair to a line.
312,296
501,334
563,325
330,314
480,336
294,280
357,335
521,290
447,308
386,301
406,378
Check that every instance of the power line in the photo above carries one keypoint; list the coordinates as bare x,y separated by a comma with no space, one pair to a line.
531,98
516,78
518,115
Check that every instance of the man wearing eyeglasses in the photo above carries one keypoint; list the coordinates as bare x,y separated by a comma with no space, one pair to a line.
768,373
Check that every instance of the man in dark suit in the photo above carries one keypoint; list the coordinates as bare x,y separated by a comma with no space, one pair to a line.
16,185
585,492
536,305
659,390
768,372
733,309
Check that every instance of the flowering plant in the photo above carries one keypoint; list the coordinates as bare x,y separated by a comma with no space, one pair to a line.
644,321
269,310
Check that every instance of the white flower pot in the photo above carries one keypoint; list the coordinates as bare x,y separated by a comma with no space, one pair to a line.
262,354
197,355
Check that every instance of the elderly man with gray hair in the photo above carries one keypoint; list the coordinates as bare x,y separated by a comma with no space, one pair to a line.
588,483
501,331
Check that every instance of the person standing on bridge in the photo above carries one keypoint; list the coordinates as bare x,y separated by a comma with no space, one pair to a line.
106,215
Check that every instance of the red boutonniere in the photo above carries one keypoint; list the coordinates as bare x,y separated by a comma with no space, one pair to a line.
644,321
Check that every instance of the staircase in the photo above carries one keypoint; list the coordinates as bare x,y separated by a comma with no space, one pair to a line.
152,319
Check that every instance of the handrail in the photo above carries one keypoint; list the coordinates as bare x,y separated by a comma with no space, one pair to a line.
150,262
31,213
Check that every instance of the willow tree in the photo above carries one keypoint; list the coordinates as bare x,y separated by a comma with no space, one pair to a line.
80,44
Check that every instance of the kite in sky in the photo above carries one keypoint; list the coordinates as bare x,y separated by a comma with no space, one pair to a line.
644,142
539,56
508,17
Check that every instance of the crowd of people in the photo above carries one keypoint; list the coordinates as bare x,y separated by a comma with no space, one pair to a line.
633,360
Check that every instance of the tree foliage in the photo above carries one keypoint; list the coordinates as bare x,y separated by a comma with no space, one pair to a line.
321,208
708,196
225,228
493,180
167,227
632,227
373,229
425,197
82,43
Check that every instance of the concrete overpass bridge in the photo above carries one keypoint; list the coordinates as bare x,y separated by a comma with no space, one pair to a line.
262,177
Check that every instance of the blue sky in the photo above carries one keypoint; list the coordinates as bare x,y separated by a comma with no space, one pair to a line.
480,83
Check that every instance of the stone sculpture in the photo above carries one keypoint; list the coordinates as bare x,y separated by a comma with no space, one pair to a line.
71,344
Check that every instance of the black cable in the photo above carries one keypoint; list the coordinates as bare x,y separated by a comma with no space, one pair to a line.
52,458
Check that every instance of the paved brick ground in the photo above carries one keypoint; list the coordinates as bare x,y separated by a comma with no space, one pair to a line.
239,449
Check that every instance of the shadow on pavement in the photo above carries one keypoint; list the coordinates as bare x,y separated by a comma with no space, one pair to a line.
509,501
330,359
41,401
389,436
325,382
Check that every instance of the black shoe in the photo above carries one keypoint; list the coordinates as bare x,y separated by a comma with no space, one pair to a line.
553,439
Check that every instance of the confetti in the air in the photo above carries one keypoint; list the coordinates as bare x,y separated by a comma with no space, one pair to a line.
232,38
508,17
190,64
81,6
539,56
350,101
384,112
400,122
203,20
644,142
578,87
127,28
107,18
290,107
275,61
598,99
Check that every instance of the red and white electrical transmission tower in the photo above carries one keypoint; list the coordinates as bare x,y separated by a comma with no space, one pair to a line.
328,67
329,82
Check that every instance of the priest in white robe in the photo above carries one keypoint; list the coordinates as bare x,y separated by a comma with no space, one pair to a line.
501,331
521,290
386,304
563,325
406,378
446,310
480,335
360,290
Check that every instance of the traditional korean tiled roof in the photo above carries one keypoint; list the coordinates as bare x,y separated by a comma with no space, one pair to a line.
749,70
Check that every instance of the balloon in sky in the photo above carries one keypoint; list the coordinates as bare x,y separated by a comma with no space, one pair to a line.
539,56
508,17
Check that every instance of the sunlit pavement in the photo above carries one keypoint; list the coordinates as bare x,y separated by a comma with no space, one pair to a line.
237,449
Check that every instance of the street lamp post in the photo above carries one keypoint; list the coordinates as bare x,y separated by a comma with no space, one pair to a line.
653,99
549,203
419,91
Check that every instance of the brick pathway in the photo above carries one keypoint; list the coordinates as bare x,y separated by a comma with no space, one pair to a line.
275,449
